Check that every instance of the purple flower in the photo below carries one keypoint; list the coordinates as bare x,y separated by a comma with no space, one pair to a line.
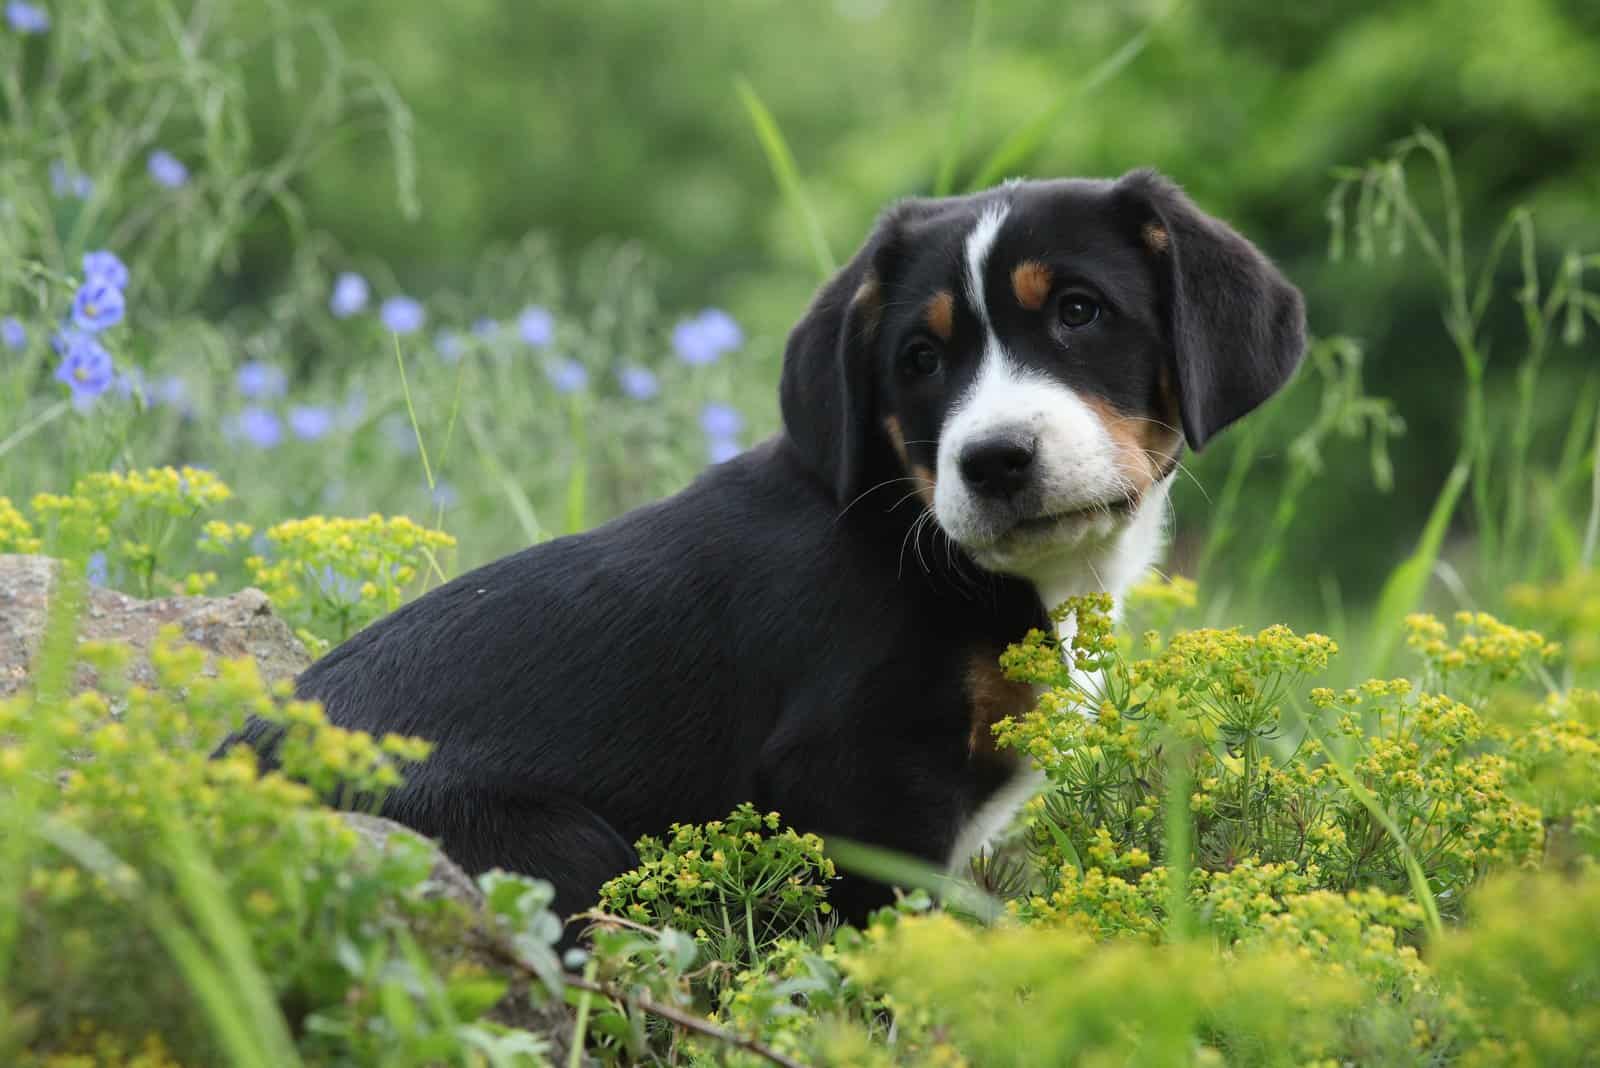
568,376
704,338
174,393
485,327
444,495
638,382
355,407
350,295
721,450
258,379
98,305
130,384
259,427
403,315
537,326
167,170
85,367
27,18
721,421
338,587
397,428
13,335
309,422
104,267
96,569
449,345
65,182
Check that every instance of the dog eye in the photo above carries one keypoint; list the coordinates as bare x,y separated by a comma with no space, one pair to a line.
1077,310
919,360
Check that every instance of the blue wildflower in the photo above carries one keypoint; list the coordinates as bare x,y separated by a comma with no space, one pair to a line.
449,345
721,421
66,182
173,392
13,335
350,295
444,495
397,428
537,326
97,305
259,379
309,422
704,338
130,385
96,571
167,170
638,382
485,327
403,315
337,586
105,267
721,450
260,427
568,376
355,407
85,367
27,18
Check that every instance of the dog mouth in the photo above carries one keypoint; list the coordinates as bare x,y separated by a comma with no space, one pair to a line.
1044,522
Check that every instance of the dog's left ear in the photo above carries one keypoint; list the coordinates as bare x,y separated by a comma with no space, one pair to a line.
826,392
1237,325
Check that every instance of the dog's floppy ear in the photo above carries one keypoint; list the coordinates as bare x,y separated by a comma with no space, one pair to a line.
828,382
1237,325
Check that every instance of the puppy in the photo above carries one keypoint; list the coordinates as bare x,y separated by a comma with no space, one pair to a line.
982,413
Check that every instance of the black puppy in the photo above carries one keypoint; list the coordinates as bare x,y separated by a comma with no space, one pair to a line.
981,417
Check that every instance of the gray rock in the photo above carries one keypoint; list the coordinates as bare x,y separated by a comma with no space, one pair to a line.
241,624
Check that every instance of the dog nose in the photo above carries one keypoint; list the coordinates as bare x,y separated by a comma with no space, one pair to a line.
999,466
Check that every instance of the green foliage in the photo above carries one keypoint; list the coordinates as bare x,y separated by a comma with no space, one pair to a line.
150,869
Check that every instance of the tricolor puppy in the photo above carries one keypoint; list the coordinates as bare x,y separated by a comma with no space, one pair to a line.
982,414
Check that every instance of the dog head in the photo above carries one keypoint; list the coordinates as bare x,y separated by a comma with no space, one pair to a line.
1033,357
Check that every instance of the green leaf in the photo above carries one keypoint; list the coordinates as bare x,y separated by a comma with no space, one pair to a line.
1406,583
781,160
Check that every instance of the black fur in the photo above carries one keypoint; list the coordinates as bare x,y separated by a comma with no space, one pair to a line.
758,636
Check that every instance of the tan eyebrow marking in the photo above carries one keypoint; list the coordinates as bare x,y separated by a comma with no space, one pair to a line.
1155,235
1031,283
940,314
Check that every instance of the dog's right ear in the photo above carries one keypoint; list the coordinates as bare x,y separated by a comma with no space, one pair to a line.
828,384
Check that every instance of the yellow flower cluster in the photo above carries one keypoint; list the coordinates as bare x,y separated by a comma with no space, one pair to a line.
724,879
1569,608
1485,646
16,533
336,575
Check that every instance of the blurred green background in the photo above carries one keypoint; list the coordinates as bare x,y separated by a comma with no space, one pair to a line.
587,120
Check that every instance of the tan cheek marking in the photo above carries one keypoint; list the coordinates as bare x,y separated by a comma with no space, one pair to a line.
991,698
925,483
1155,235
867,303
940,314
921,472
897,438
1031,283
1145,446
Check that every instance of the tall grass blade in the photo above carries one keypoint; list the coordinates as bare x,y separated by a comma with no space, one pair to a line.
1024,143
944,181
781,160
1405,584
898,869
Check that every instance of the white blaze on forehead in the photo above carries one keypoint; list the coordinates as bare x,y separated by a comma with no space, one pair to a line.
979,243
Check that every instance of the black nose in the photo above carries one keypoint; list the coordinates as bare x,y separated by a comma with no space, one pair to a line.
999,466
